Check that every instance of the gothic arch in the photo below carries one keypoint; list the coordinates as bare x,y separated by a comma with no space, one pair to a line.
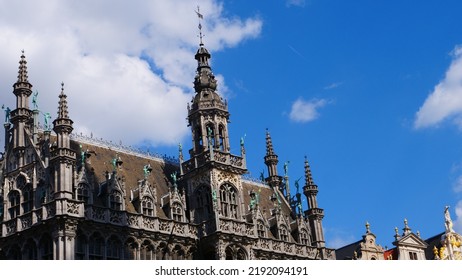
211,133
162,251
116,200
283,233
178,253
235,252
95,246
229,201
14,202
131,249
14,253
177,212
83,193
304,237
147,250
222,137
29,251
203,205
114,248
81,245
46,247
261,229
147,206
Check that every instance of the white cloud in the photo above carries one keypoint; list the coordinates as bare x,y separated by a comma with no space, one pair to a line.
298,3
457,186
305,111
127,66
445,101
333,86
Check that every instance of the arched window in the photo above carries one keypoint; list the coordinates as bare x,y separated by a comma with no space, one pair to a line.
235,252
178,253
210,135
28,198
261,229
240,254
82,193
46,247
30,250
228,201
162,252
283,233
95,247
130,249
147,205
221,134
198,139
14,200
203,207
147,251
14,253
80,246
114,248
304,237
177,212
115,200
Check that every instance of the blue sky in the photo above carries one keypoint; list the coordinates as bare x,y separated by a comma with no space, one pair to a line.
369,91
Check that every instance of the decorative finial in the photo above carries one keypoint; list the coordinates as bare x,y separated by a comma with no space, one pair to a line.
396,233
200,16
368,227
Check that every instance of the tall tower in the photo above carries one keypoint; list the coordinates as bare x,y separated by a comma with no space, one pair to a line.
212,175
271,161
314,213
21,116
63,159
62,168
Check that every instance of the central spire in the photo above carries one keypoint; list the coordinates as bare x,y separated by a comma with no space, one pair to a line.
208,116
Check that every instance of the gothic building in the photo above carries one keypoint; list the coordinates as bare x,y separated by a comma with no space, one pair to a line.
67,196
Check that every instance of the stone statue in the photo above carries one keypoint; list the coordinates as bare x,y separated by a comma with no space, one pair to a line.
299,206
7,113
447,220
286,168
173,175
47,117
34,100
147,170
262,176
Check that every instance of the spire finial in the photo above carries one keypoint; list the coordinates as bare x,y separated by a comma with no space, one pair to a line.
22,73
200,16
368,227
269,144
62,106
308,177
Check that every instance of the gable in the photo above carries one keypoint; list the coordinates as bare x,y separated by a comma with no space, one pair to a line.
411,240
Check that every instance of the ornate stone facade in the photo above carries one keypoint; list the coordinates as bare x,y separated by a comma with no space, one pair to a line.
66,196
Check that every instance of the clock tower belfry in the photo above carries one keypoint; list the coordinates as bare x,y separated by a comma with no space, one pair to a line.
212,176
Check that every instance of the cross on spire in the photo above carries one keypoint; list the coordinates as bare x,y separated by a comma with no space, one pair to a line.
200,16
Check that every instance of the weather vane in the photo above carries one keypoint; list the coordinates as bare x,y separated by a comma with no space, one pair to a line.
200,16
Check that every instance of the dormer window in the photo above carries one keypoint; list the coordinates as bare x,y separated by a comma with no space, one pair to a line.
283,233
177,212
147,206
115,201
